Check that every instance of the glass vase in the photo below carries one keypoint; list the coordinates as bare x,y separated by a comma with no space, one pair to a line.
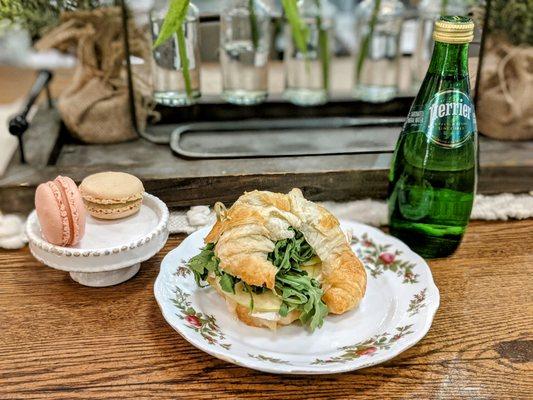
244,49
307,61
378,29
176,62
428,12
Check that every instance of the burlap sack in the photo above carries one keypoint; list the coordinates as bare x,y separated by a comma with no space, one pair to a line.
505,102
95,107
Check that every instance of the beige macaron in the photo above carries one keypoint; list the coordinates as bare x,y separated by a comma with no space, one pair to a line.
112,195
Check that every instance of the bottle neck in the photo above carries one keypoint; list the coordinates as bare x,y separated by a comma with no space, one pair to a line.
449,59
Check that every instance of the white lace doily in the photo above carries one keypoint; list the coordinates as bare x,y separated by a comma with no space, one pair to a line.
372,212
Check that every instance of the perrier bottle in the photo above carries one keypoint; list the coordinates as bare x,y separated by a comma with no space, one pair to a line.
432,179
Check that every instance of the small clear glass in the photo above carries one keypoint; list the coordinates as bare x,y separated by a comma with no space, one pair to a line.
378,29
174,85
307,74
244,50
428,12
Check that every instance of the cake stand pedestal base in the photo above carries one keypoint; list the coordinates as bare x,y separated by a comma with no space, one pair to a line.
105,278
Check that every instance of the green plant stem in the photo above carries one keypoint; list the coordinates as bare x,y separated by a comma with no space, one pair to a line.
253,24
323,44
365,43
299,29
173,23
300,33
443,7
182,49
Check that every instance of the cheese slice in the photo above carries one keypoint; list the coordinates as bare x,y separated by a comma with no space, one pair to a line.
264,302
269,316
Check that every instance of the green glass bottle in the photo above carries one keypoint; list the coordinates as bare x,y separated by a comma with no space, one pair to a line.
432,179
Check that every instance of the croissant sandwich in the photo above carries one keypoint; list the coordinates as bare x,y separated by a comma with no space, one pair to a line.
277,258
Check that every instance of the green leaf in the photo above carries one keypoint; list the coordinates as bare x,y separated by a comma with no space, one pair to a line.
300,31
203,263
297,289
284,309
176,14
293,285
173,24
227,283
198,262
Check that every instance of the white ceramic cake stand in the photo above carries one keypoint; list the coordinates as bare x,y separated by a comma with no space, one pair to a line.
110,252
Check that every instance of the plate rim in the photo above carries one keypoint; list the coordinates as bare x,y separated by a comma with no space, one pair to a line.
432,308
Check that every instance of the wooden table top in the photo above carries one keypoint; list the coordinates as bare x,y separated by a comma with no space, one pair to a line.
62,340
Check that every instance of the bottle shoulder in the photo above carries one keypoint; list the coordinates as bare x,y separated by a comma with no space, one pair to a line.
438,83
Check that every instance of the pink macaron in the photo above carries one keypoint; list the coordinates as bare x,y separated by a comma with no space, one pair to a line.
61,211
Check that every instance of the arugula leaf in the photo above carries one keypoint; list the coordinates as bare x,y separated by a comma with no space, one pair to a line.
293,285
283,309
297,289
202,263
227,283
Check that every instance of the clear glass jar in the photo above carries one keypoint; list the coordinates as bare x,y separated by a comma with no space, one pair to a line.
378,28
428,12
175,68
308,73
244,49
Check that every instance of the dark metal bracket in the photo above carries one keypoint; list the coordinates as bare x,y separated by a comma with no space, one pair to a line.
19,123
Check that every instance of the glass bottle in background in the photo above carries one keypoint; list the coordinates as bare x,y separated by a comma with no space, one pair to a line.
429,11
378,26
307,55
244,50
175,69
432,180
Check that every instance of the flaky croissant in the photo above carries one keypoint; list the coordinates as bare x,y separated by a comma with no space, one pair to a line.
245,234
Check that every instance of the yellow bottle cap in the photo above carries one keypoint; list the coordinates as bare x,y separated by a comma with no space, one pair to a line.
453,29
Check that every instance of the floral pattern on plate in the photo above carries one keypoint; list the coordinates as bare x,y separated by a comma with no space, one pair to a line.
204,324
369,347
379,258
393,316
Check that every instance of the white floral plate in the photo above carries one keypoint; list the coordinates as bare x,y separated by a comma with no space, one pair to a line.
395,314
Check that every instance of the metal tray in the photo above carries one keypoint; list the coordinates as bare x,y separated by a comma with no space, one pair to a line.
286,137
213,109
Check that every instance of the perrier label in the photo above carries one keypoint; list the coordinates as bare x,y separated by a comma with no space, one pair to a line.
432,179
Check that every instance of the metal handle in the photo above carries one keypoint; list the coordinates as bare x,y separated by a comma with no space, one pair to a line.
19,124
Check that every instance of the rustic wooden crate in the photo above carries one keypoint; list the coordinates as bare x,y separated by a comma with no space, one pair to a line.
504,167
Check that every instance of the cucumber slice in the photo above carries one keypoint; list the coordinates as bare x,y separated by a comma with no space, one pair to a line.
312,270
313,261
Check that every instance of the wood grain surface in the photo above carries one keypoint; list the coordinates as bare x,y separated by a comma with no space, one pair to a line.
62,340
